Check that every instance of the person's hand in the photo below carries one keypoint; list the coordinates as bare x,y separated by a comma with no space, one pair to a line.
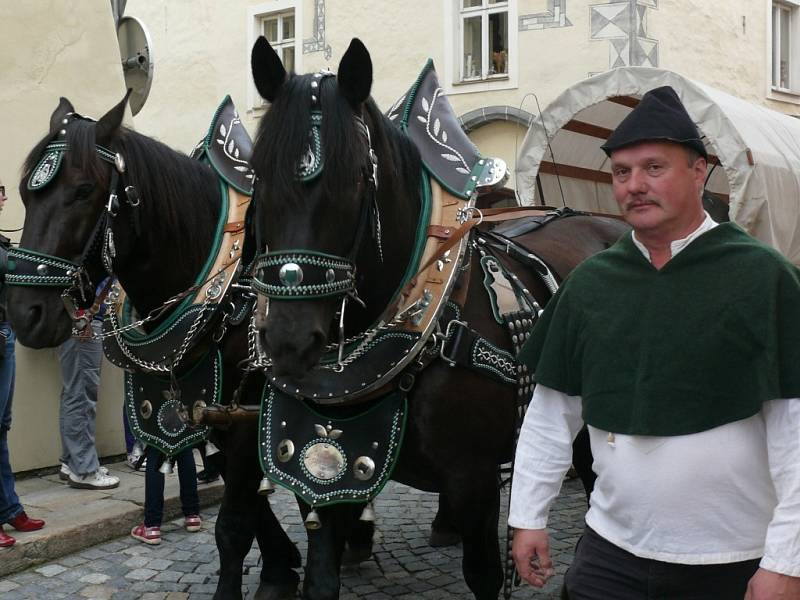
768,585
531,552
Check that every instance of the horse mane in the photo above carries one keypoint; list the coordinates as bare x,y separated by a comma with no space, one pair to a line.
159,173
283,136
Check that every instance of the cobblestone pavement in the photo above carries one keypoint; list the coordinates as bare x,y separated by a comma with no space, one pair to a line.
184,566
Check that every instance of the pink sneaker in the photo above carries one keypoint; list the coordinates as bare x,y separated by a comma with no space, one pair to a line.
148,535
193,523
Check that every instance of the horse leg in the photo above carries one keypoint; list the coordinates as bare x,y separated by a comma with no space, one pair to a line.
238,521
443,530
325,547
279,556
582,461
475,501
358,543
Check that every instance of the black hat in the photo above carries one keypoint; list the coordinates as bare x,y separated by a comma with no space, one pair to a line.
660,115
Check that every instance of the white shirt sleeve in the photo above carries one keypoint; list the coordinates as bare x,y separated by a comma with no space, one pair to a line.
782,546
544,454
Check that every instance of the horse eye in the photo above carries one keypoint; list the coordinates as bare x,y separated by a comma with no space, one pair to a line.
83,191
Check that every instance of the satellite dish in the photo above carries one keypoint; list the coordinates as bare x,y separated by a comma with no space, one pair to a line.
137,60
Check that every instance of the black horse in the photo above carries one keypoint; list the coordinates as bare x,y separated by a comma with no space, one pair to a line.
460,424
161,245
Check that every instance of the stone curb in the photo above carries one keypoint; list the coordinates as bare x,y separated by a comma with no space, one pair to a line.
103,516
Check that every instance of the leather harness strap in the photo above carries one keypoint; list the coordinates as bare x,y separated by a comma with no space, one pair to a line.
234,227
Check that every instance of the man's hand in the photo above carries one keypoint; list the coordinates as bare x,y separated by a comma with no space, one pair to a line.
531,551
766,585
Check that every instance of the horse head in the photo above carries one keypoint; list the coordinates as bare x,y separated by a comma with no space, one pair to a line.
64,188
330,180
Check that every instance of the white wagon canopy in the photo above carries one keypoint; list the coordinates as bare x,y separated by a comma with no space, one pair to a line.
754,152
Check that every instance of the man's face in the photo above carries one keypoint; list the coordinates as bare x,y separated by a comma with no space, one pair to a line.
657,191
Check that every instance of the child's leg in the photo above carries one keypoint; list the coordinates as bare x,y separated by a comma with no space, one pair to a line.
187,476
153,489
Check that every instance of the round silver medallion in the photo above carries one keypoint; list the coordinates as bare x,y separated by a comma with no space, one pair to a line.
291,275
146,409
363,468
285,450
42,269
330,275
171,419
324,461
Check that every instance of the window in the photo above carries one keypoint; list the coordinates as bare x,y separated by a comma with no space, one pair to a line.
280,22
785,39
484,40
279,31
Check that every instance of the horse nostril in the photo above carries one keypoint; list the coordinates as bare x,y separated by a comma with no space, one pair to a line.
34,314
310,350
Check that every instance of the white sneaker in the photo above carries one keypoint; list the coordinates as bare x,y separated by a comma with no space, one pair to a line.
135,461
93,481
65,472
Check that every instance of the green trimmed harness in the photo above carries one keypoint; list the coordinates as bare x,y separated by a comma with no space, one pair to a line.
37,269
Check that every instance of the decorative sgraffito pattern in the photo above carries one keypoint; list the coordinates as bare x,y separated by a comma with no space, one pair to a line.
554,16
317,43
624,25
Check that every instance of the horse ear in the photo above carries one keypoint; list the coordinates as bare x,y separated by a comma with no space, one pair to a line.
268,71
355,73
110,122
62,110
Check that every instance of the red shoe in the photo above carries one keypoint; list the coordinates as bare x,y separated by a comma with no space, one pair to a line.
6,541
23,522
193,523
148,535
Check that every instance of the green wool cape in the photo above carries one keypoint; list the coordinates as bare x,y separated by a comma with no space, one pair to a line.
700,343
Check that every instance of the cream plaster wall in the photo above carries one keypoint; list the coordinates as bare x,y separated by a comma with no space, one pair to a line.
202,52
49,49
202,48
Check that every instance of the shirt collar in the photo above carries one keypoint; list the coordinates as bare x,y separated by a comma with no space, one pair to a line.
678,245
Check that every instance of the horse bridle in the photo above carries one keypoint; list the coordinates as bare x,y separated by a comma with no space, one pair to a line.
301,274
37,269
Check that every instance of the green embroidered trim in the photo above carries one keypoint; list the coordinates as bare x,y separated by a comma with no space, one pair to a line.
310,169
164,445
344,496
22,255
48,166
489,357
412,94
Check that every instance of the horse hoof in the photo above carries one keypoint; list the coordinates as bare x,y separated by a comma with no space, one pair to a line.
443,539
272,591
356,554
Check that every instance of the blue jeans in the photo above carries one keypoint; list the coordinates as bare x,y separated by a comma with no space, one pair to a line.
9,501
154,486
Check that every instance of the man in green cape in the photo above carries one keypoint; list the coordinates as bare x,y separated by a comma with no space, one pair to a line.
679,347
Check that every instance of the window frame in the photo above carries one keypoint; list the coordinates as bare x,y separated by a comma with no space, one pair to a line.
483,11
256,16
455,15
